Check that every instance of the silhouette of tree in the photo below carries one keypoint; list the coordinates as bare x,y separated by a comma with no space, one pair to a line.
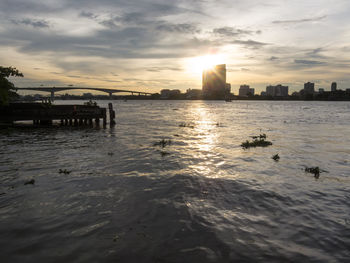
7,88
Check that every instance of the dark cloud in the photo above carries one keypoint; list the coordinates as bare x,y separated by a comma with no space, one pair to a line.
88,15
231,31
308,62
31,22
313,19
178,28
273,58
250,43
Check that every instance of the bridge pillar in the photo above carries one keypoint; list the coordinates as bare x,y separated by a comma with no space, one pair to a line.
52,96
110,94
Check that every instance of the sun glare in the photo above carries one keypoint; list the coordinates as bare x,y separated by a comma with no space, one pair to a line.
198,64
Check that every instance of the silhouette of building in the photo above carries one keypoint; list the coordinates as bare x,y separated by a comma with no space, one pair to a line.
194,93
320,90
167,93
245,90
214,82
309,88
334,86
277,91
227,88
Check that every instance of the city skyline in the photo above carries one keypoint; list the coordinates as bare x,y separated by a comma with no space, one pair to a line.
149,45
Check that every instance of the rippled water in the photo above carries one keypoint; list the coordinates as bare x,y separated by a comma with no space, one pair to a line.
201,199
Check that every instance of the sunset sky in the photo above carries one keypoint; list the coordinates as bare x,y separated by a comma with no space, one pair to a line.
149,45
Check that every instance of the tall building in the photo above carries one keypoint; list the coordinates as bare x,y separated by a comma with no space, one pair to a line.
277,91
245,90
214,82
334,86
309,88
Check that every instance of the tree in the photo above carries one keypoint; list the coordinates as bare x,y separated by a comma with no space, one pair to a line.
7,88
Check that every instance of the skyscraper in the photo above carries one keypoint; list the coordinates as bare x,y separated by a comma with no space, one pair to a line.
309,88
334,86
277,91
214,82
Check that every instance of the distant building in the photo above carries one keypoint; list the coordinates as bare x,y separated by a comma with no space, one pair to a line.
194,93
214,82
263,93
334,86
227,88
165,93
245,90
309,88
168,94
277,91
320,90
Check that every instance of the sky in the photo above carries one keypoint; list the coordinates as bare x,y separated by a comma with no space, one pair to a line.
149,45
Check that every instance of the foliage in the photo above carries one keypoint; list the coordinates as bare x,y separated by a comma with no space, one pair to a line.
162,143
313,170
7,88
259,141
276,157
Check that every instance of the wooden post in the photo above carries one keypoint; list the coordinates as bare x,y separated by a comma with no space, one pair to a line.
104,117
70,122
111,114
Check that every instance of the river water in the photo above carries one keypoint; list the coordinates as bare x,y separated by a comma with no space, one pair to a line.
203,198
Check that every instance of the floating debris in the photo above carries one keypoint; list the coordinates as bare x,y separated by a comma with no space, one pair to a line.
276,157
261,136
115,238
110,153
186,125
163,153
32,181
313,170
2,193
162,143
259,141
65,171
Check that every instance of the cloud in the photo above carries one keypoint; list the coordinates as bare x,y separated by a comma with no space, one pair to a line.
159,69
250,43
297,21
88,15
178,28
232,32
308,62
32,22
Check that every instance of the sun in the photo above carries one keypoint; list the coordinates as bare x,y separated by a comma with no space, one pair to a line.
198,64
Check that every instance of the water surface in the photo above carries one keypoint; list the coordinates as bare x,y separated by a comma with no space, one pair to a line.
201,199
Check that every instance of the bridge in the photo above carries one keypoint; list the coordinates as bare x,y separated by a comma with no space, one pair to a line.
52,90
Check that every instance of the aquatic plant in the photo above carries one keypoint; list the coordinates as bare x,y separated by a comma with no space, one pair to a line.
276,157
162,143
65,171
186,125
163,153
261,136
32,181
313,170
259,141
